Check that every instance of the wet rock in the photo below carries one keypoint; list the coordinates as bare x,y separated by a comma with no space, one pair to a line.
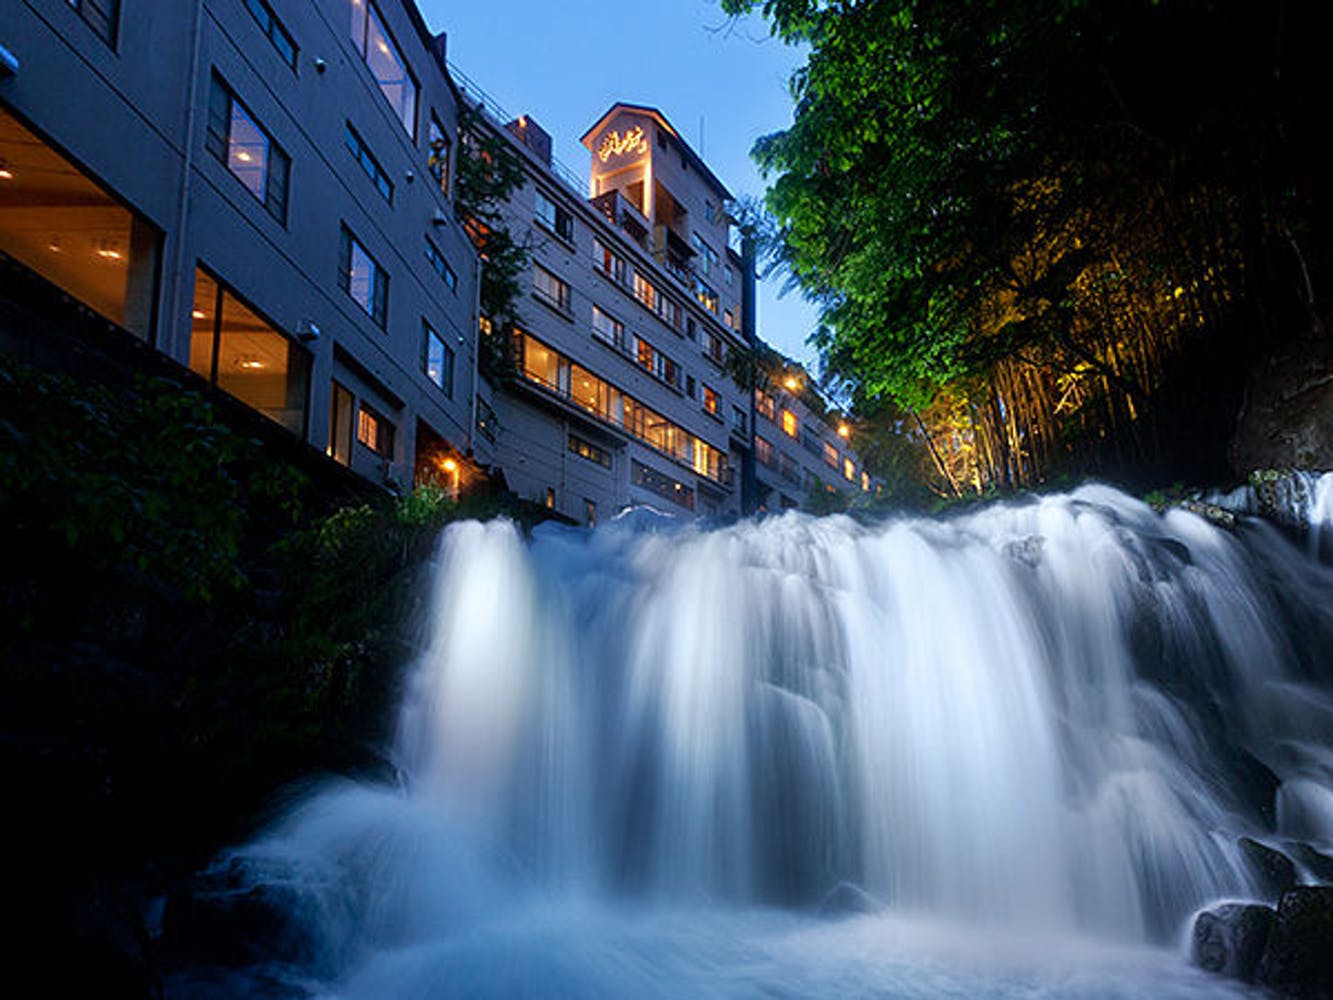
1230,939
1299,958
1273,870
1026,550
1316,863
847,898
1210,512
223,919
1287,420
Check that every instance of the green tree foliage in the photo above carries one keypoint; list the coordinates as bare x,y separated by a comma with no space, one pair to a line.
1015,214
488,174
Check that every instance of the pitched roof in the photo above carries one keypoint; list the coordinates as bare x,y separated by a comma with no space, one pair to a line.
643,109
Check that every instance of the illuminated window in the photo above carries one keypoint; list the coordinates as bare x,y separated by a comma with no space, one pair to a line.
712,402
645,291
865,481
728,319
361,277
549,500
244,148
589,512
848,469
237,350
554,217
342,414
376,46
375,431
608,262
763,402
607,328
66,228
272,27
437,359
361,153
551,289
102,16
706,295
441,267
548,368
438,161
590,451
830,455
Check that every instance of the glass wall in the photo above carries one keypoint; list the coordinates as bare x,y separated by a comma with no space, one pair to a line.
61,224
553,371
237,350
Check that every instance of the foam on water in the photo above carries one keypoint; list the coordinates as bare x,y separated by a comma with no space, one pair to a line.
636,759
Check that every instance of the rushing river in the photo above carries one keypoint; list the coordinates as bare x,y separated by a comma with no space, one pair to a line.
1004,754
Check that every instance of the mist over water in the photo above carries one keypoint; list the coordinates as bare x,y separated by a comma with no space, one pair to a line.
656,759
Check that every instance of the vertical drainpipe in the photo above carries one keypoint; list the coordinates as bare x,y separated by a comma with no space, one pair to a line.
187,171
749,325
476,354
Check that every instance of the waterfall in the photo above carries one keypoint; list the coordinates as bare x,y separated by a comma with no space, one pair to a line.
1054,716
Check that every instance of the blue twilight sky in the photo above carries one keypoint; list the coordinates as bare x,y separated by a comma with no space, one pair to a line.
564,62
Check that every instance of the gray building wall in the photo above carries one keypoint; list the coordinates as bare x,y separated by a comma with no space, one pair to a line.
134,116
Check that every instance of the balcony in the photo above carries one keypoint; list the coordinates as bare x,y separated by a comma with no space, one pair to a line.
622,214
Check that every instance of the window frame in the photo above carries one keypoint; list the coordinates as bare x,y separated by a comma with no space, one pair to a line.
362,44
440,265
274,26
218,145
378,310
106,26
370,165
448,360
385,428
558,215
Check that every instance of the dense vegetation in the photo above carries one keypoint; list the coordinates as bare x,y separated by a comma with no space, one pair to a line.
188,625
1050,236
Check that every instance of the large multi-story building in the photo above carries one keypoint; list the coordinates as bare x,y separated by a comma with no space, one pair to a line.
261,190
621,395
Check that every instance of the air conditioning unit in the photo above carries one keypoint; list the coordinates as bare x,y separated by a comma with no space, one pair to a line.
307,330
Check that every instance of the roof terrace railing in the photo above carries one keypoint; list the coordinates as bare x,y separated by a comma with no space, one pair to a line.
501,119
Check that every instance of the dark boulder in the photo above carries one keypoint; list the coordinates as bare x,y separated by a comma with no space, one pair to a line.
1230,939
226,919
1316,863
1273,870
847,898
1299,959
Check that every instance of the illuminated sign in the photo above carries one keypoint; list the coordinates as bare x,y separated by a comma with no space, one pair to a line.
615,144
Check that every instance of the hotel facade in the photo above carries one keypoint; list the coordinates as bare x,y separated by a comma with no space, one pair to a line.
261,190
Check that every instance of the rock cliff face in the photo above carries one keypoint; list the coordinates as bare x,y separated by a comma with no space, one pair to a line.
1287,419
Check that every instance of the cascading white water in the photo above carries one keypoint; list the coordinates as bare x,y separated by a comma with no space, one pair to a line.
1047,717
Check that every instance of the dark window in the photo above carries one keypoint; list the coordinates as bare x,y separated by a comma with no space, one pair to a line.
663,485
438,161
437,359
607,328
103,16
738,419
441,266
590,451
361,277
550,288
554,217
240,144
361,153
272,27
376,46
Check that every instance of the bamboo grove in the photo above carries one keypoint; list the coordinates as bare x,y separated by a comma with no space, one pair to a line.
1048,237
